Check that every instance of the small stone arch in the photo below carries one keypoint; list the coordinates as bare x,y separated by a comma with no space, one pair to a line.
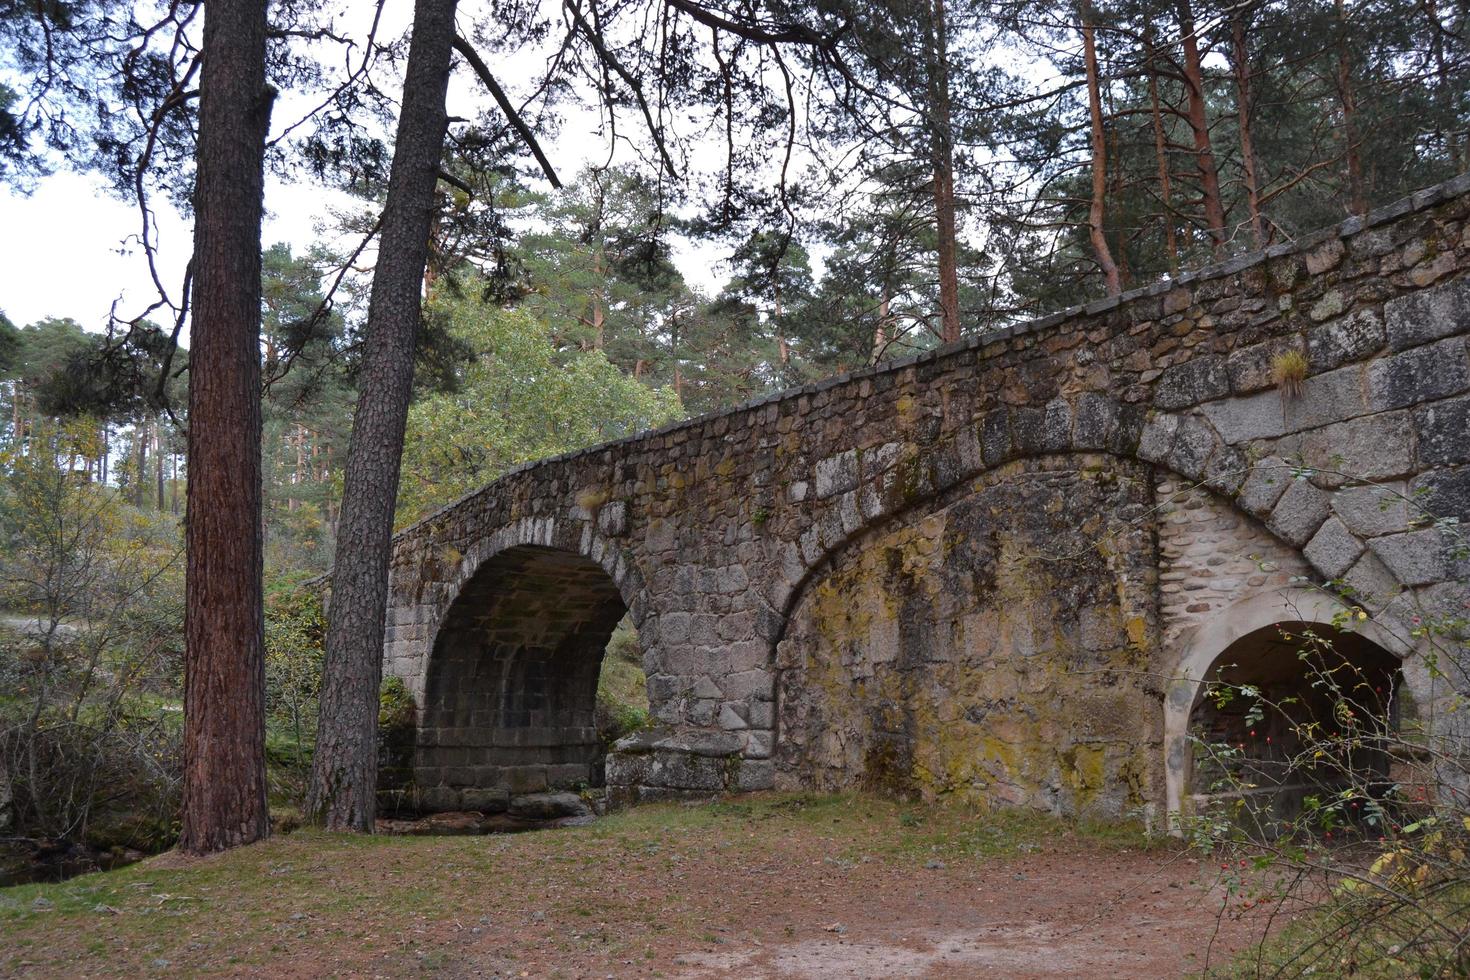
1213,639
879,484
508,698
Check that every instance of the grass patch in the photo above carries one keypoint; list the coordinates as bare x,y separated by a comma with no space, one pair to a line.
391,904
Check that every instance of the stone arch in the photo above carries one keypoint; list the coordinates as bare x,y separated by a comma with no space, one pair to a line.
1186,446
1251,616
509,688
870,488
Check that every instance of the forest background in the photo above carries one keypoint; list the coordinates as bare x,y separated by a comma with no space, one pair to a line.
873,178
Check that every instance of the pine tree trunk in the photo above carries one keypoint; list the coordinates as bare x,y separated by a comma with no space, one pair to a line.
158,464
1161,153
599,327
1357,197
1099,158
1204,154
880,333
1240,55
224,794
942,140
343,789
140,487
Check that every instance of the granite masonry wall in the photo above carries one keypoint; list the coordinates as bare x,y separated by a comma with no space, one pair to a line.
986,572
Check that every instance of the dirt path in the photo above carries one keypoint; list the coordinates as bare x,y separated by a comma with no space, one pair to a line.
1064,915
1081,913
843,887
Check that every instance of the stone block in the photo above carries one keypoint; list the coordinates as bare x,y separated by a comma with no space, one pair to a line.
1372,447
705,687
749,684
1194,443
710,743
1414,557
1226,471
1125,437
612,519
732,717
1196,380
1056,426
1095,420
1444,432
622,769
1344,340
549,806
1333,549
995,437
1158,437
1428,314
754,775
1267,481
881,459
485,799
1324,257
760,744
1252,368
1443,493
762,714
1369,511
837,474
1299,513
1324,399
1412,377
1369,582
1028,431
680,770
526,779
438,799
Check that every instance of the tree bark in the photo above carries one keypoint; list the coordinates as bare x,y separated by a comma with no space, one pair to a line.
343,788
1357,197
1099,157
158,463
140,443
1240,56
942,146
224,793
1161,154
1204,154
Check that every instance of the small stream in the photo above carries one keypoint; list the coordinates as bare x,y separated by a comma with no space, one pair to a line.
32,860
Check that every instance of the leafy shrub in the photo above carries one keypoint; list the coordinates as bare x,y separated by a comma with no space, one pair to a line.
295,630
397,716
622,693
89,714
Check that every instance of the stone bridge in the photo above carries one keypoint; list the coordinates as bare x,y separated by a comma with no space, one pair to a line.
997,572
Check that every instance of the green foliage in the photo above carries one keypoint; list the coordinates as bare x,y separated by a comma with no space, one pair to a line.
397,715
395,705
622,692
520,399
1343,802
295,630
89,668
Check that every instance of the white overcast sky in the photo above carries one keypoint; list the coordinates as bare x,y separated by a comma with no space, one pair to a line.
68,249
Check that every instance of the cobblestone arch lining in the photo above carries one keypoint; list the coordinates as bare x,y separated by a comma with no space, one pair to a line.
512,681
